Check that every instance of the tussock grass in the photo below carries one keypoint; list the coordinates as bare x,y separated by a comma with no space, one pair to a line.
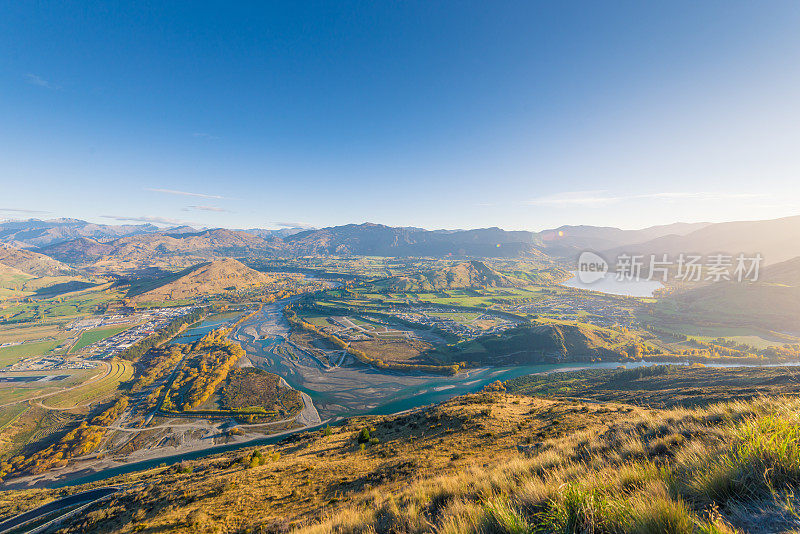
764,457
679,471
533,465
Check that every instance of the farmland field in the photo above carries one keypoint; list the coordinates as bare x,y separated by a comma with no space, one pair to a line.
76,304
20,391
29,332
9,413
13,354
98,334
121,371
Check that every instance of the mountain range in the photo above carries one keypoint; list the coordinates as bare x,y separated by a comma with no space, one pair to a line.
36,233
370,239
33,233
566,241
775,239
81,243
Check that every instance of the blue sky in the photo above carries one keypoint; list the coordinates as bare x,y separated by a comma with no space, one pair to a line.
523,115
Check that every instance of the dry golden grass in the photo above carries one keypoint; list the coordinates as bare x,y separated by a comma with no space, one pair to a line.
490,462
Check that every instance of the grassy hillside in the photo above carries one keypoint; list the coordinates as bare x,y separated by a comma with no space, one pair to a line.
460,275
489,462
536,344
785,273
207,278
32,263
12,280
772,303
662,386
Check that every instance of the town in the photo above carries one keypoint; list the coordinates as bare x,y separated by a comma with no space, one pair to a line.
146,324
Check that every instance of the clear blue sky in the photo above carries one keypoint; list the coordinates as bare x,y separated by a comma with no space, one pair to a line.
434,114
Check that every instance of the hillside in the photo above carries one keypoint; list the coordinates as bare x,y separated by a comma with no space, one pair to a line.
207,278
78,251
489,462
12,280
784,273
32,263
772,303
461,275
206,244
529,344
776,241
661,386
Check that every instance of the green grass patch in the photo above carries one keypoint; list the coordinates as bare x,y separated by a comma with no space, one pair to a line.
97,334
87,302
15,353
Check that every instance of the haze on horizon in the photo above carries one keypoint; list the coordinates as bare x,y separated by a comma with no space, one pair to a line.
435,115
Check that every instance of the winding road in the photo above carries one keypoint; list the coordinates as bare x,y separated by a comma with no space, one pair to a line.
64,504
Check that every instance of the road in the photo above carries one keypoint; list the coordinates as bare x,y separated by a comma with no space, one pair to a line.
54,506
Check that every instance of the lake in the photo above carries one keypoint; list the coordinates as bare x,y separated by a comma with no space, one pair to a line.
609,284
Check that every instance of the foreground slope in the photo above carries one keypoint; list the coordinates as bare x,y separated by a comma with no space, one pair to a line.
489,462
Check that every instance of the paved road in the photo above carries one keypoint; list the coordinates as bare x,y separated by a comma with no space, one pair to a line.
59,504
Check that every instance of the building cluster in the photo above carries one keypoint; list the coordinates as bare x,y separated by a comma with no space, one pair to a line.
49,363
148,322
102,320
600,310
433,318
